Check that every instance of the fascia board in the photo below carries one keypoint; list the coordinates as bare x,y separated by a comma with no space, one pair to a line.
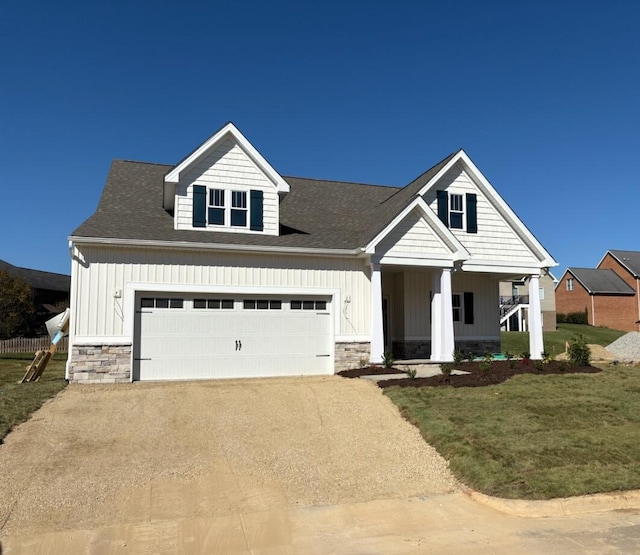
486,266
229,129
458,252
187,245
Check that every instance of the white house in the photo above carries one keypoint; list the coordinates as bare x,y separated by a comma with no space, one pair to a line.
220,267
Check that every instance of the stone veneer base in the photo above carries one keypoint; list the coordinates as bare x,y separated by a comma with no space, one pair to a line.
348,355
99,363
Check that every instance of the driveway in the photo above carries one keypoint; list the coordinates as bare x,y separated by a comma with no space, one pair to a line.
116,454
283,466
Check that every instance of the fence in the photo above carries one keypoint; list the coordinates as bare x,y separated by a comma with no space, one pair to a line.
31,344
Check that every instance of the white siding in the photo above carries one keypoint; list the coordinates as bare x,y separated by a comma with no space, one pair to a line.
106,270
412,237
228,167
486,305
496,240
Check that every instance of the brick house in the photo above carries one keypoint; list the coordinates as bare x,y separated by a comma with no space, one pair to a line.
608,293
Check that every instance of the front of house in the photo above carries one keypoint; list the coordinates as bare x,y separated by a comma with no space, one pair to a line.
219,267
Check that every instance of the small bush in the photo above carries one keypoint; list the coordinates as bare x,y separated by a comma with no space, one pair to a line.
411,372
458,357
539,364
446,369
364,361
578,353
573,318
485,364
387,359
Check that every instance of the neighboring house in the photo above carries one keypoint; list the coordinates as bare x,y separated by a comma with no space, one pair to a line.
220,267
608,293
514,303
50,290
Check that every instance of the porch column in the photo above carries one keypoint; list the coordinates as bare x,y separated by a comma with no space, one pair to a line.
377,332
442,339
536,344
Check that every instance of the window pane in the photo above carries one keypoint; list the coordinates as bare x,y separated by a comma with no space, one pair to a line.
213,303
455,220
263,305
239,218
308,305
216,216
296,305
176,303
455,300
249,304
275,305
321,305
147,303
216,197
199,303
238,199
456,203
162,303
227,303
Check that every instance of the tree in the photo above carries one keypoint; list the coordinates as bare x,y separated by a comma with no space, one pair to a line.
17,310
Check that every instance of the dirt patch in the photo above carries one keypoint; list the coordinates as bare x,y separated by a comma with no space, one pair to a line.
99,455
369,371
498,371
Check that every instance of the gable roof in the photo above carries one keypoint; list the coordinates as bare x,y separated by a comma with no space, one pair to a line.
38,279
315,214
601,282
628,259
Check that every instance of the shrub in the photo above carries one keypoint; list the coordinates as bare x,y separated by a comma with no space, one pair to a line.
387,359
411,372
573,318
539,364
485,364
578,353
446,369
458,357
364,361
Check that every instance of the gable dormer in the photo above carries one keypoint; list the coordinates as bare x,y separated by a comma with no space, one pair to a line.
225,185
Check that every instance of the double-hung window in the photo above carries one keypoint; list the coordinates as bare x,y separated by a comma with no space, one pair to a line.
216,207
239,208
456,211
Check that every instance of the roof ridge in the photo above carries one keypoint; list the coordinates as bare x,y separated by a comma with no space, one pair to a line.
341,181
142,162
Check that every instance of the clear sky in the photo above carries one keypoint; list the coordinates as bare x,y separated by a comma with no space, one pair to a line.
543,95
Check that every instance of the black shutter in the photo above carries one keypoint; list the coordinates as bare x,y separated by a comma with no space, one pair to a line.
468,308
199,206
472,213
443,207
256,216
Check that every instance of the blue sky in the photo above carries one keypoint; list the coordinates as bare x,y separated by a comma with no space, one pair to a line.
543,95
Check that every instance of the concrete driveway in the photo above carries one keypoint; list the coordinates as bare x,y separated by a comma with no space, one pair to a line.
309,465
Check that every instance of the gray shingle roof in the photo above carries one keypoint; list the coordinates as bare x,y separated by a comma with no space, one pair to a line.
629,259
601,282
314,214
38,279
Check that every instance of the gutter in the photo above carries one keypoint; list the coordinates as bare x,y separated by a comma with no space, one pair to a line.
182,245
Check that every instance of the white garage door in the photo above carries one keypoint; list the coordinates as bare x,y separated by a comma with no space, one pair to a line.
182,337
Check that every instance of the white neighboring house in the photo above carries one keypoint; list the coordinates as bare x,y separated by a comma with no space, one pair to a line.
219,267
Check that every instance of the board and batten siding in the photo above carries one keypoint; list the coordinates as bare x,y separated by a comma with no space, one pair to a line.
411,292
496,240
412,237
227,167
99,312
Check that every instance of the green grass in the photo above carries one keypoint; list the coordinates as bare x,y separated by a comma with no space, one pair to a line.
18,401
554,341
535,437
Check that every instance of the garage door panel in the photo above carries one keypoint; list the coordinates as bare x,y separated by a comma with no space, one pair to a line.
196,343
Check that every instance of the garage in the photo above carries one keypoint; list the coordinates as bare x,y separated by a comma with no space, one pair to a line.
195,336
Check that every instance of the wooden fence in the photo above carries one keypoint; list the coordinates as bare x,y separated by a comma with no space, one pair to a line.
31,344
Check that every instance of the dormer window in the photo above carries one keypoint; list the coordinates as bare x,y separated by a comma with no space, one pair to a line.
228,208
455,210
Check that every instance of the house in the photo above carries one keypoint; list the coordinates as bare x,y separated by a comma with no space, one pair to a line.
220,267
608,293
514,303
50,290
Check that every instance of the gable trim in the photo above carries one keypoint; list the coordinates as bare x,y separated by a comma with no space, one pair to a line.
229,130
546,260
457,251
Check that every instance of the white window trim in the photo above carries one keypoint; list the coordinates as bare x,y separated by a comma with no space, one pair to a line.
462,211
569,284
459,308
228,208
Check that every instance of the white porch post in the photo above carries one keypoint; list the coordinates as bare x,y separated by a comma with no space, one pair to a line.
377,332
536,344
442,339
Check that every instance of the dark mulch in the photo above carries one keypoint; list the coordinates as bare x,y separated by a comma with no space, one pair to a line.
369,371
499,372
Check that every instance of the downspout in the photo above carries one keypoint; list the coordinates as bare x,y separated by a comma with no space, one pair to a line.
638,298
593,311
72,308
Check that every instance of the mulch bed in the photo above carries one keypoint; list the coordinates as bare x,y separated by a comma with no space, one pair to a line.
369,371
500,371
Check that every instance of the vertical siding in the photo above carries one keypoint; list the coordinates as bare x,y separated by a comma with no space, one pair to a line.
496,240
485,291
109,269
227,167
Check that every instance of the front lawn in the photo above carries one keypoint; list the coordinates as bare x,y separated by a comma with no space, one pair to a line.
18,401
535,437
517,342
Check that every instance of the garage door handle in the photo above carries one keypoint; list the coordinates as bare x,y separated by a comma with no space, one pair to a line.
238,345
